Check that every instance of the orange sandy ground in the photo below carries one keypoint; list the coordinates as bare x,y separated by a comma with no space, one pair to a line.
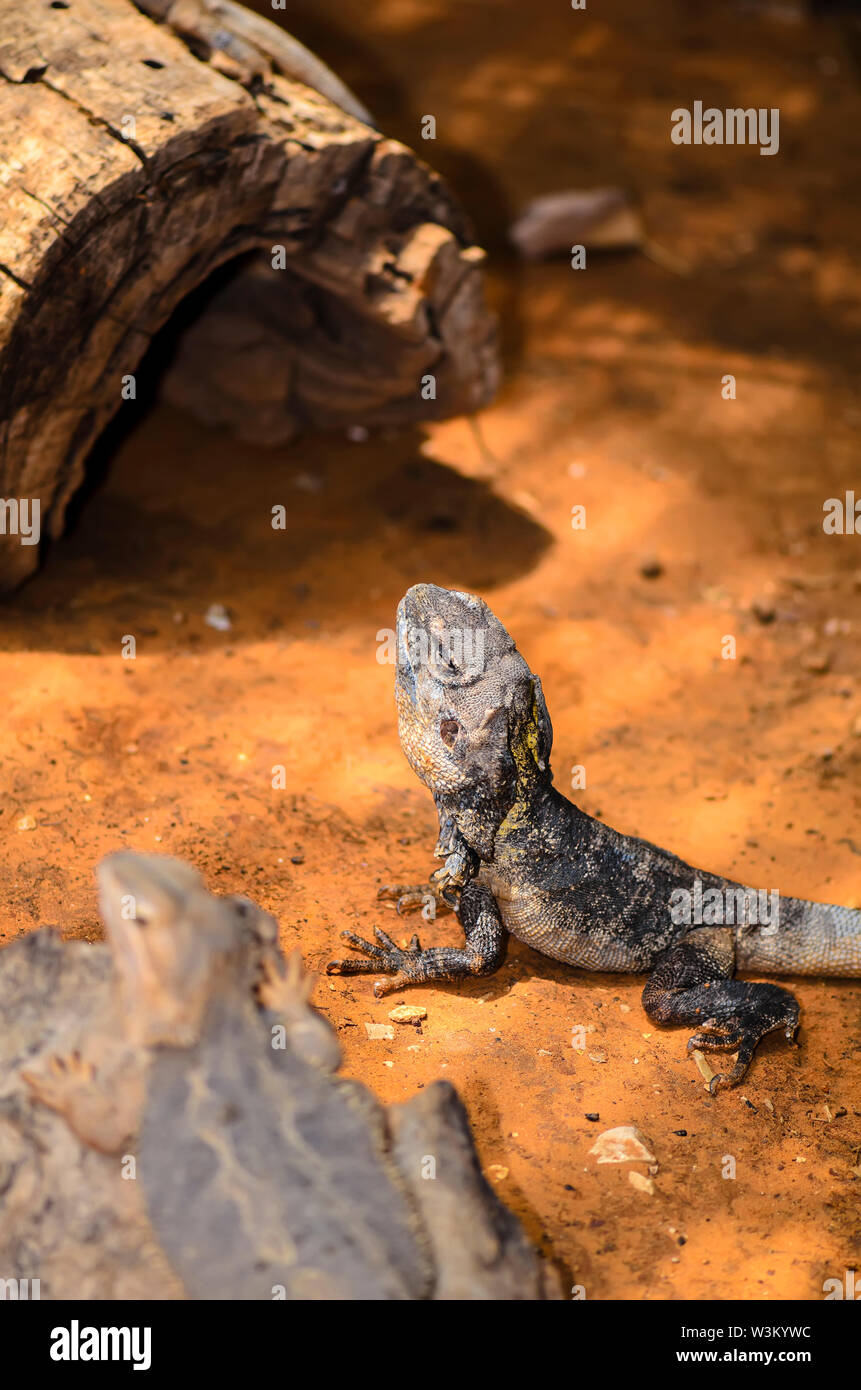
747,766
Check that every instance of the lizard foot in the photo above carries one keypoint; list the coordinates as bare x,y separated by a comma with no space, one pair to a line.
481,954
287,994
410,897
284,990
740,1034
386,957
441,892
692,983
66,1078
102,1115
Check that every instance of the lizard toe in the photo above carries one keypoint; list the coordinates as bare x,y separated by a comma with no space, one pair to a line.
359,943
351,967
384,957
715,1038
724,1081
384,987
385,940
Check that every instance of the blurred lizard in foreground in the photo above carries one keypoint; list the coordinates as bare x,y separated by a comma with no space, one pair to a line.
188,1047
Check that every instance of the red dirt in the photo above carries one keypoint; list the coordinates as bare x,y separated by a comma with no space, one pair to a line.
613,399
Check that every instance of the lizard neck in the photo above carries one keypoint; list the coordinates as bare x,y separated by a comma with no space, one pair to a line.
536,803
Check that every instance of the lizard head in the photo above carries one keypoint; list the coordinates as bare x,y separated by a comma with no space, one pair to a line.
172,941
471,715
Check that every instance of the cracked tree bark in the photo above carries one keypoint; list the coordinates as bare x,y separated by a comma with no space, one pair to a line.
140,152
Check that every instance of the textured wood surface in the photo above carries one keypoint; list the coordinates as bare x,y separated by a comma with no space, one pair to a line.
136,157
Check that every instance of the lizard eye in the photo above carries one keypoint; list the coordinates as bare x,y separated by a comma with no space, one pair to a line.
448,732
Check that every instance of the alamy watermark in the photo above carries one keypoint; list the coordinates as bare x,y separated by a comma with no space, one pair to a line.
842,515
77,1343
847,1287
718,907
460,651
735,126
19,516
20,1290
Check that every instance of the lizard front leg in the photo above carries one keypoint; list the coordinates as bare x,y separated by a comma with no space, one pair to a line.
286,993
103,1116
692,983
482,953
443,889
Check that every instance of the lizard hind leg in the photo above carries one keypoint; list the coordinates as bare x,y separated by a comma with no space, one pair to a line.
692,983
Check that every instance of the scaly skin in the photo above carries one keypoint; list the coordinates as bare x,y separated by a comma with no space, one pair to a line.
521,858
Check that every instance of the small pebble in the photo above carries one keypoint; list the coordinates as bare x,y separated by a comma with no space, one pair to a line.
624,1144
763,610
408,1013
817,662
592,1115
641,1183
380,1031
218,617
651,568
308,482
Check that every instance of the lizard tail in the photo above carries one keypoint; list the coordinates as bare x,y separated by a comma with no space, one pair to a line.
807,939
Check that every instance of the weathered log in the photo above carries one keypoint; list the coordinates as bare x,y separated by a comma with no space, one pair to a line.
140,152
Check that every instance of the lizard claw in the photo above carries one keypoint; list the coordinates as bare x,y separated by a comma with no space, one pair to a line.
441,892
386,957
430,898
